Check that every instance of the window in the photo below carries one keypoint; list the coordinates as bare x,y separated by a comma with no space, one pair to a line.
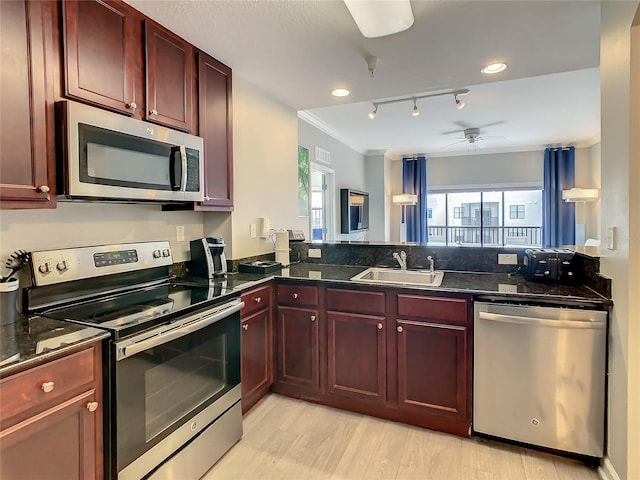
485,218
516,211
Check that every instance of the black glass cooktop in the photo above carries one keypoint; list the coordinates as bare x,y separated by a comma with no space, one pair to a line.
130,312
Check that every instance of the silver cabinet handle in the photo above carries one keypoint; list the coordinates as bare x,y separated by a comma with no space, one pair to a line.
258,299
92,406
380,326
207,198
295,295
47,387
313,318
153,112
245,327
44,189
400,329
132,105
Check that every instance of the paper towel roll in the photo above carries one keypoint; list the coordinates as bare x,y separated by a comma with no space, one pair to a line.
282,240
282,247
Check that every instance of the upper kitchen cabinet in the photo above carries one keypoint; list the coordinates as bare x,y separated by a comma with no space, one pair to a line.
103,54
170,74
27,154
214,80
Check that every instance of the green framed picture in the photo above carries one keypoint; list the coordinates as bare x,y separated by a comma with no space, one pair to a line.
303,181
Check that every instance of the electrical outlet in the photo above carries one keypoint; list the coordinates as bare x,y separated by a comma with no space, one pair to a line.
507,288
507,259
180,233
253,230
315,253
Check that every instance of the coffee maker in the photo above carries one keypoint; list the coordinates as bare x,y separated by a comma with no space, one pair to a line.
207,257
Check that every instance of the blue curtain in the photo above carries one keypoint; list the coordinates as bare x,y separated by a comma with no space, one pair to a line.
558,217
414,180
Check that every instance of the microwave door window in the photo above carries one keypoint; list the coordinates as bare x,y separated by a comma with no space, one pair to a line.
117,159
125,168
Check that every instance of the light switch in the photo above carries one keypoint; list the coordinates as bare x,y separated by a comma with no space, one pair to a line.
253,230
180,233
611,238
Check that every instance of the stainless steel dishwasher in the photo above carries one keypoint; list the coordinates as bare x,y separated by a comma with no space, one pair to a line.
539,376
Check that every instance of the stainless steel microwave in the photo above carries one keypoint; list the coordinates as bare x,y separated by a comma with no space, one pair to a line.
108,156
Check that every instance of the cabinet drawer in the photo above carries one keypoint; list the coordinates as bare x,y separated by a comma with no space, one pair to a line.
449,310
297,295
63,377
256,299
355,301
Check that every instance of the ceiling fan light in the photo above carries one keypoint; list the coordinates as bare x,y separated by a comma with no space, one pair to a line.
377,18
494,68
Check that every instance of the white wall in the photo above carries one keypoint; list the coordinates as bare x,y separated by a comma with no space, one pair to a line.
265,156
348,165
375,184
617,210
524,168
81,224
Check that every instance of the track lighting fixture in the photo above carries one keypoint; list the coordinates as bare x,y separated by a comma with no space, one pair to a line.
415,112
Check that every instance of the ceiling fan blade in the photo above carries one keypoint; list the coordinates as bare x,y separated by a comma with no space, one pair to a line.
455,143
491,124
463,126
493,137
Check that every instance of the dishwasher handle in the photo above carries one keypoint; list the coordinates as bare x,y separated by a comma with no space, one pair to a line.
542,322
132,347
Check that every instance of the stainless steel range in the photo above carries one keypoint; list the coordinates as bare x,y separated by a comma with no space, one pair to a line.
172,367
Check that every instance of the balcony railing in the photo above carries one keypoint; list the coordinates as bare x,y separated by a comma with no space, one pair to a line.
487,236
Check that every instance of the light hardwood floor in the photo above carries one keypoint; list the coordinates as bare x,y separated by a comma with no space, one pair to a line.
286,439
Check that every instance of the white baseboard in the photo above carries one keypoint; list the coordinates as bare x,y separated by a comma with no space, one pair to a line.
606,471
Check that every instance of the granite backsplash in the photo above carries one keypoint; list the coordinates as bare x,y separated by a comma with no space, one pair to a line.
463,259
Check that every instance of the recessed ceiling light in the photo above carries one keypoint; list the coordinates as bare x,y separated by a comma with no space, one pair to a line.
493,68
339,92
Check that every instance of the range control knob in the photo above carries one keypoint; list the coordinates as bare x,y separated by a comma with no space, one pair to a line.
166,252
44,268
156,254
62,266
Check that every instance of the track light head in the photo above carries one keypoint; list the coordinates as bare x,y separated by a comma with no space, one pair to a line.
415,111
459,103
372,113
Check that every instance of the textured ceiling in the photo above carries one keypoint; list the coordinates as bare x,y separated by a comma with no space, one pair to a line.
299,50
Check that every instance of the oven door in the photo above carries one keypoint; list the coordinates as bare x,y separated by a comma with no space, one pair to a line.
171,383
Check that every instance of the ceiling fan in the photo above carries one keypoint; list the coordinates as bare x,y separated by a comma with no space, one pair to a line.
472,137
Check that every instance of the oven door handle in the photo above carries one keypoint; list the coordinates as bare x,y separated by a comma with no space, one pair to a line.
131,347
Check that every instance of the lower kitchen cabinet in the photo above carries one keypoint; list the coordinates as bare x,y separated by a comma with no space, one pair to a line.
357,356
298,348
257,346
51,419
432,368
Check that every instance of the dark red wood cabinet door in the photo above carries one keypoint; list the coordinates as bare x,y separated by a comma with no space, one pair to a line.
62,443
298,352
99,53
26,153
357,356
169,68
257,355
215,123
432,368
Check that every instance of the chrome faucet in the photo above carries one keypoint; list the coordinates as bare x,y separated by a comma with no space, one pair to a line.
431,264
402,259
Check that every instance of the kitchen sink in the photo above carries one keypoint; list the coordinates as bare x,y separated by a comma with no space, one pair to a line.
402,277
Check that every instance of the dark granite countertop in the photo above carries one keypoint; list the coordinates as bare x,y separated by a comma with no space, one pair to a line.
31,340
484,286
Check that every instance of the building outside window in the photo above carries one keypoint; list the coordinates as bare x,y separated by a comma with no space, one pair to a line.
485,218
516,211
